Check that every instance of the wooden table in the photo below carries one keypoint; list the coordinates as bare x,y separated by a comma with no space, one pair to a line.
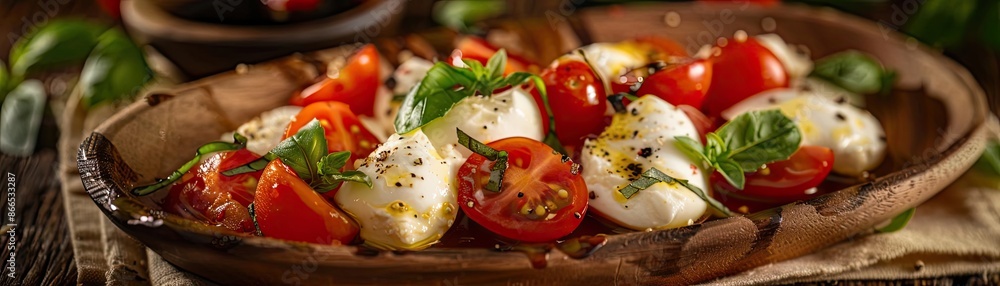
44,252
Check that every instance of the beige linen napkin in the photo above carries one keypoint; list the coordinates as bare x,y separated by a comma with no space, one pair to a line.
956,232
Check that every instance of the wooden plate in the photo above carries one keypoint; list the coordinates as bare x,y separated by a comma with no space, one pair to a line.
935,132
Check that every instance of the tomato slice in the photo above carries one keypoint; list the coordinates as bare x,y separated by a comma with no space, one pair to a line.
781,182
683,83
741,69
476,48
542,198
287,208
343,130
205,195
578,101
355,84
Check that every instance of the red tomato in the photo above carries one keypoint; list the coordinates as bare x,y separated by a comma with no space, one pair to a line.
112,7
343,129
578,101
292,5
475,48
781,182
542,198
740,70
205,195
287,208
684,83
355,84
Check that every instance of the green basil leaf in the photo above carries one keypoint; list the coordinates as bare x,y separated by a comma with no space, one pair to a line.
853,71
434,96
21,117
653,176
759,137
732,172
496,64
302,151
519,78
253,216
115,70
239,142
989,162
691,148
4,81
333,162
499,159
898,222
59,42
328,182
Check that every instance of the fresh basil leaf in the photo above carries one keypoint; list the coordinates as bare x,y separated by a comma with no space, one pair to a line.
59,42
499,159
4,79
653,176
853,71
691,148
496,64
253,166
253,215
333,162
759,137
21,117
239,142
329,182
433,96
115,70
618,102
302,151
989,162
898,222
519,78
732,172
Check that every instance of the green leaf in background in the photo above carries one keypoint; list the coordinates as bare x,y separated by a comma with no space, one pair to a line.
4,78
941,23
57,43
989,162
461,14
899,222
115,70
854,71
20,117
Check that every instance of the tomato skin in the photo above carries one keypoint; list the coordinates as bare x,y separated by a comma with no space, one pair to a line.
740,70
684,83
535,179
287,208
292,5
578,101
205,195
478,49
783,182
355,84
344,131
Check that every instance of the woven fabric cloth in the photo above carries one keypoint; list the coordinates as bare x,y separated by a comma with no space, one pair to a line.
956,232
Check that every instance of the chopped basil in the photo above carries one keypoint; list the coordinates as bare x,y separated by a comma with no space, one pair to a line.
239,142
745,143
499,159
653,176
253,216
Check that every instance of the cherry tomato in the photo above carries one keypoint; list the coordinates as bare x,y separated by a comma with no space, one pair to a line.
476,48
542,197
205,195
684,83
740,70
578,101
344,131
702,123
355,84
292,5
287,208
112,7
781,182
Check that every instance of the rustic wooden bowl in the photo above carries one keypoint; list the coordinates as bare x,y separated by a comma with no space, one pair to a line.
935,134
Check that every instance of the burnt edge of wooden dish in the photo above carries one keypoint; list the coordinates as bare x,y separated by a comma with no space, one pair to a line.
677,256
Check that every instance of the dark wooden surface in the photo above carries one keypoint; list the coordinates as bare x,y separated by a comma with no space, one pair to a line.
44,252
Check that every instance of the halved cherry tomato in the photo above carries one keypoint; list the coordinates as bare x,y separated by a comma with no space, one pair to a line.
739,70
476,48
287,208
781,182
578,101
205,195
344,131
683,83
355,84
542,198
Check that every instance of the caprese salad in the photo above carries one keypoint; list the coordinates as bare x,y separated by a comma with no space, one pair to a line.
635,135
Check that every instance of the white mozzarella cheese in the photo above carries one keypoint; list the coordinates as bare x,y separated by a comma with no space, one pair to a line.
512,113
